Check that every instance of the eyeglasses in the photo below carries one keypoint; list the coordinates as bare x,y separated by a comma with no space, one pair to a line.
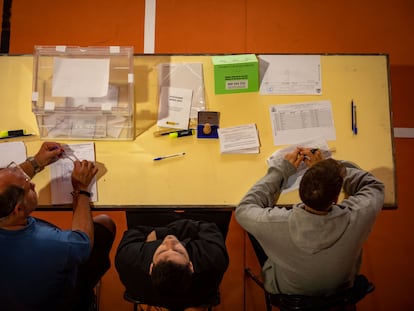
14,165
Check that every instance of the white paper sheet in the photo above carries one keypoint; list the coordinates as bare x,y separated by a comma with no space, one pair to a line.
294,180
76,77
293,123
61,171
12,151
174,107
239,139
290,74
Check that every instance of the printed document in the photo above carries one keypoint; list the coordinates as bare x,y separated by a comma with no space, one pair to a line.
290,74
174,108
239,139
61,172
293,123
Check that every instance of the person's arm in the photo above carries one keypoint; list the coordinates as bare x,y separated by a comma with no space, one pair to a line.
136,234
208,253
134,251
264,193
48,153
210,247
363,190
82,175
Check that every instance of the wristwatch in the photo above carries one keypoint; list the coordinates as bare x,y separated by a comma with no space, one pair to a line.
36,167
75,193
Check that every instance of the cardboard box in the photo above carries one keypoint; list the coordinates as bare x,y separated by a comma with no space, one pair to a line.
236,73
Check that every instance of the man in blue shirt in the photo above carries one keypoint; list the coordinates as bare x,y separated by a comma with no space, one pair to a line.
41,266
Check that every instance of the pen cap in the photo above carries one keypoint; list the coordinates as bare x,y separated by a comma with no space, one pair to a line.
4,134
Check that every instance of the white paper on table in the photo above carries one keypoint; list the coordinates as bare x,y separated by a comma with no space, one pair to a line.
239,139
174,107
61,172
290,74
12,152
294,123
78,77
294,180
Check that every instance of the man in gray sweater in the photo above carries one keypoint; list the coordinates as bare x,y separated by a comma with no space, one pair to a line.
315,247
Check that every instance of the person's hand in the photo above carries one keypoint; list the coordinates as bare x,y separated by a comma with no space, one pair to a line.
311,156
82,175
295,157
48,153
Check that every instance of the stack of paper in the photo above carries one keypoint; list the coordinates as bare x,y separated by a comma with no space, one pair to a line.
61,172
239,139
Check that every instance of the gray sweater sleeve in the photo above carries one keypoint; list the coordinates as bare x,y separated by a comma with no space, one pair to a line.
363,192
263,195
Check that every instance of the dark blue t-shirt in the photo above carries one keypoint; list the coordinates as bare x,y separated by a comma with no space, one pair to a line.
39,265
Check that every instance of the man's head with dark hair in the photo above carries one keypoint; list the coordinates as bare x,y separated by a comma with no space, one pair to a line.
321,184
170,278
171,269
9,198
16,189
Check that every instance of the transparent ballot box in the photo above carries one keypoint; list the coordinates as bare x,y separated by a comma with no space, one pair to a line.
84,93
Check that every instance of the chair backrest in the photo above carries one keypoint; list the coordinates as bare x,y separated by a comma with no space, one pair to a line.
208,303
343,300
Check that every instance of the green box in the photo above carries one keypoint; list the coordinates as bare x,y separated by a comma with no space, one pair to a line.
236,73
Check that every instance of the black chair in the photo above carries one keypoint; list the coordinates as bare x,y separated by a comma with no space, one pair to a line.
344,300
208,304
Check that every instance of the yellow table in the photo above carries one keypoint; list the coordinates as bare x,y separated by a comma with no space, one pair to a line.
203,177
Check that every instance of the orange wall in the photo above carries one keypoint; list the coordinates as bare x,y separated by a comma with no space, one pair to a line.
258,26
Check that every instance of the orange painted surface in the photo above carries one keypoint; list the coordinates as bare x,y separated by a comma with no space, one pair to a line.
78,22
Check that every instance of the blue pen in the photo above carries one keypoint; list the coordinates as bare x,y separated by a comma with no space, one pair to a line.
354,118
169,156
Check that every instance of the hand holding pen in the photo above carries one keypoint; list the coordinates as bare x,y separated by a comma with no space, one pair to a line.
311,156
48,153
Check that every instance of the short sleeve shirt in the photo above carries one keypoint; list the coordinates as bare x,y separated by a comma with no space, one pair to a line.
39,265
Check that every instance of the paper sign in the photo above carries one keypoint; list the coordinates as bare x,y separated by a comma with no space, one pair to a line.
75,77
174,108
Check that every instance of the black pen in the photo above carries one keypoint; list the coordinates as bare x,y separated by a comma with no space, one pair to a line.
331,149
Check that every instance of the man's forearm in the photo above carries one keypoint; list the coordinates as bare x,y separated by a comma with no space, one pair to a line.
82,216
